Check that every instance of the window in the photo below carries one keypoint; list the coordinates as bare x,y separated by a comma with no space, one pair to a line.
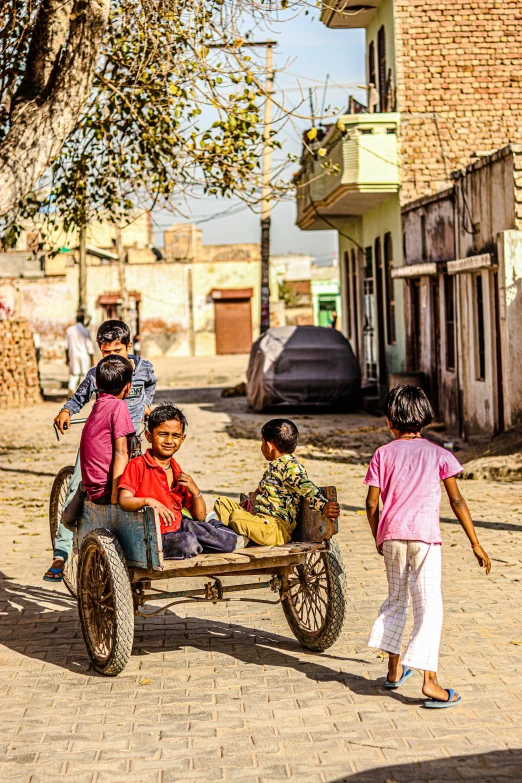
404,247
371,64
381,315
449,308
389,289
370,336
480,349
424,244
381,55
355,303
415,344
348,298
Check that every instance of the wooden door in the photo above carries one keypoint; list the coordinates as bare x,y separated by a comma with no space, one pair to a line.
233,324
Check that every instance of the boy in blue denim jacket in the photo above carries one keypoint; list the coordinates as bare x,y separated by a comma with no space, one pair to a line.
113,337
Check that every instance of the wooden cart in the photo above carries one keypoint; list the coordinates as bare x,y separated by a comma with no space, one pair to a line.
117,560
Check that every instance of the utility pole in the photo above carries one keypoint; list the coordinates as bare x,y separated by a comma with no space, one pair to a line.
121,269
82,271
266,177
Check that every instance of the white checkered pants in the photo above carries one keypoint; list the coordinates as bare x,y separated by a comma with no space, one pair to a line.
418,564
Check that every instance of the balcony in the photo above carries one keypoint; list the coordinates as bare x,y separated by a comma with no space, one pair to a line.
347,13
350,172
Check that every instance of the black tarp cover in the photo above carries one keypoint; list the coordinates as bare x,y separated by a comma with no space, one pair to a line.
301,365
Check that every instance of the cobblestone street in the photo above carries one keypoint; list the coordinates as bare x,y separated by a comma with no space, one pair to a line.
224,692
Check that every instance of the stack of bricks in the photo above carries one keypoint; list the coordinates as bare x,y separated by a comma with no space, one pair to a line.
19,385
459,85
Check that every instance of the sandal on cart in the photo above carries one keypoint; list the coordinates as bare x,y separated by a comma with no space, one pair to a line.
393,685
57,575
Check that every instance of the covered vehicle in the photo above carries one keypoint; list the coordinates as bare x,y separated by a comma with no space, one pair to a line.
302,365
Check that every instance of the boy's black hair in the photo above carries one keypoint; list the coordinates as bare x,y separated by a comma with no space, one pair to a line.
112,374
166,412
113,330
408,408
282,433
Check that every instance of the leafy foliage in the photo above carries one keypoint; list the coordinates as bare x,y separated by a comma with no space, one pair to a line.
175,110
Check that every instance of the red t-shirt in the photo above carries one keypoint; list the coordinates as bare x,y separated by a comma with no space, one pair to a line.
146,479
108,421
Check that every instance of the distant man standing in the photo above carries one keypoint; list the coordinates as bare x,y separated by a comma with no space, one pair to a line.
79,351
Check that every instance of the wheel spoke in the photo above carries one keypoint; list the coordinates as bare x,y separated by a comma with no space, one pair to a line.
307,591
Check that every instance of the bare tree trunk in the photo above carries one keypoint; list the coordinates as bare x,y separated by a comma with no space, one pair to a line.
61,61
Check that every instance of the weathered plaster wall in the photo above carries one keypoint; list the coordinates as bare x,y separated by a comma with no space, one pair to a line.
485,201
228,274
435,213
479,396
510,318
50,303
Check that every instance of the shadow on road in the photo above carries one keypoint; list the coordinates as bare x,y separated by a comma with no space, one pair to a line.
497,766
42,623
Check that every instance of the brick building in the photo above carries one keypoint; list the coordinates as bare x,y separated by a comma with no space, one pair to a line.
443,84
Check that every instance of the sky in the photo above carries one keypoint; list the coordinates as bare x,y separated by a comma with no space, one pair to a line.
311,52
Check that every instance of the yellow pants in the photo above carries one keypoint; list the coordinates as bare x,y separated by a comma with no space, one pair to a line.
267,531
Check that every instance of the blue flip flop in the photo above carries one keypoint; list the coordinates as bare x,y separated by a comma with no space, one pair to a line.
57,578
394,685
438,704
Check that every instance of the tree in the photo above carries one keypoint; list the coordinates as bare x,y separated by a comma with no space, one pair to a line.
173,108
49,51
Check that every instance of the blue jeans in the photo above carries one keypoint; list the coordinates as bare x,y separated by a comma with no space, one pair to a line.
64,538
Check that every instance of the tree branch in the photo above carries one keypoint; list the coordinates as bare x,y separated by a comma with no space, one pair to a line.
62,58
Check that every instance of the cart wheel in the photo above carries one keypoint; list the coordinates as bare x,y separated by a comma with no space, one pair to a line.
57,499
314,600
105,602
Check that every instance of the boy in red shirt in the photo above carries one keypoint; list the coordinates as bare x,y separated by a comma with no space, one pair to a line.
155,479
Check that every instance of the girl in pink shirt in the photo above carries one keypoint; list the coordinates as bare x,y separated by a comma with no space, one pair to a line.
406,474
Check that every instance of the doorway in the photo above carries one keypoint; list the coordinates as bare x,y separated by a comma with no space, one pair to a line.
233,320
327,306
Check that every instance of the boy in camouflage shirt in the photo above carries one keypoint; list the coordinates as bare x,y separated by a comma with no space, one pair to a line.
277,497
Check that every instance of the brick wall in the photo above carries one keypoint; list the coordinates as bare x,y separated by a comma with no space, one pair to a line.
459,85
18,372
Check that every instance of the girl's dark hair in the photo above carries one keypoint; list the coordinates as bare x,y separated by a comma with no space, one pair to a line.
408,408
166,412
113,330
282,433
112,374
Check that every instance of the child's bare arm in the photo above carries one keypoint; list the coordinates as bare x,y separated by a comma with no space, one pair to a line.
121,460
372,511
461,511
199,508
129,502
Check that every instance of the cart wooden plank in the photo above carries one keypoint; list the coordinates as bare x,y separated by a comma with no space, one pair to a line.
138,533
256,558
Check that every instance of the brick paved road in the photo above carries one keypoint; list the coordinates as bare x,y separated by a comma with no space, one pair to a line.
232,697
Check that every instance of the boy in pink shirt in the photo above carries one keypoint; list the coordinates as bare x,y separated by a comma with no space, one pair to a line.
104,446
406,474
